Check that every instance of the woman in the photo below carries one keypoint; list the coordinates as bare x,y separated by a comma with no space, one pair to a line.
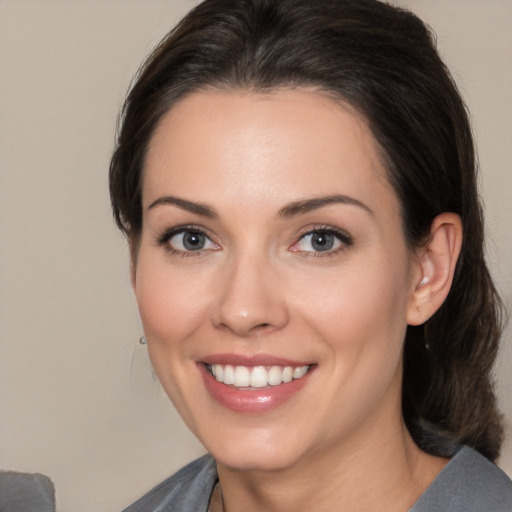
297,183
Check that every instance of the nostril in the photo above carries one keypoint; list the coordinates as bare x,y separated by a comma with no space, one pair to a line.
263,327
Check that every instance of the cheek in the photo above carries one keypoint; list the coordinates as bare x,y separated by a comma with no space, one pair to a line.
171,302
172,310
360,318
360,309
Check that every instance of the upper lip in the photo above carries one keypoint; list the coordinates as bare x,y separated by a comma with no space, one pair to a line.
251,360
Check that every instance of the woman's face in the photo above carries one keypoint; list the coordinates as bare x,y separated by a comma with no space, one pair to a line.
272,249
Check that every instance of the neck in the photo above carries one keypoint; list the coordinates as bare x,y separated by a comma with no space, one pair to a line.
388,474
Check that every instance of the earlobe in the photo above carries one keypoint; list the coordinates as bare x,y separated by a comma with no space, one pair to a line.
434,268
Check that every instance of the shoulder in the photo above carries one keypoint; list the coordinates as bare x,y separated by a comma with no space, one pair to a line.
468,483
188,489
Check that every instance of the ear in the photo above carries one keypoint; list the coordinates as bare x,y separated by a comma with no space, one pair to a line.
434,268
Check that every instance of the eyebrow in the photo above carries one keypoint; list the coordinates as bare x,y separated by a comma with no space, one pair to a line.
197,208
308,205
290,210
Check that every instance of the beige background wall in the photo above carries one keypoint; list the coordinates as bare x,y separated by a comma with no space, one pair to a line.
77,398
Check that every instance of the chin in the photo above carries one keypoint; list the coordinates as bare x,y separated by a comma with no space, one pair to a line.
254,451
255,461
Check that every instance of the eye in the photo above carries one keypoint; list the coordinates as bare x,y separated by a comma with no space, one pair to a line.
325,240
187,240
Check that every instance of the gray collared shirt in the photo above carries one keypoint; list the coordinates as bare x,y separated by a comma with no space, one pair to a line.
468,483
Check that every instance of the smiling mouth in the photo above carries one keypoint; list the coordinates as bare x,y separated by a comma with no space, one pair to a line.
255,377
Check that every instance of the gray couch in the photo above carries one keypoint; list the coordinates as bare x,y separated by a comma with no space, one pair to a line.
24,492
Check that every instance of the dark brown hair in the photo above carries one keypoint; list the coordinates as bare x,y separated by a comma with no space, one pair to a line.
382,61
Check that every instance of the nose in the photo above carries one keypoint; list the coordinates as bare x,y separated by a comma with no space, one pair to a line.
251,298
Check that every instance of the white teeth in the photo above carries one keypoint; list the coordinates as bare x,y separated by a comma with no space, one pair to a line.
275,376
299,372
242,377
229,375
287,374
218,371
256,376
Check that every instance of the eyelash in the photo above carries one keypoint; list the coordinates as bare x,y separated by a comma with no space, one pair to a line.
341,236
164,239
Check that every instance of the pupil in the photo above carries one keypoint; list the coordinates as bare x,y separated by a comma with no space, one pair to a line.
322,241
193,241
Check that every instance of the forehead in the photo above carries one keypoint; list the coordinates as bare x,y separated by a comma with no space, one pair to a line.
243,146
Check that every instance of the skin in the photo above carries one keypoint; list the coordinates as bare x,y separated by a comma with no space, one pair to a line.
259,286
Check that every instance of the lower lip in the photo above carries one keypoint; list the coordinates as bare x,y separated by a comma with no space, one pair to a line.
254,400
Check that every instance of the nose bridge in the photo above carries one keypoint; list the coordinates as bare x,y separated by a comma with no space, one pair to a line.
250,294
